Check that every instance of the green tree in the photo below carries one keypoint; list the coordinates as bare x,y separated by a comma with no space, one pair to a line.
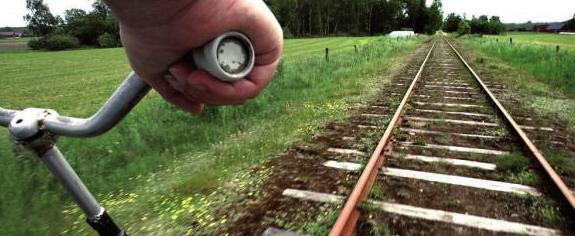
73,15
101,9
479,25
463,28
451,23
434,17
89,27
495,26
355,17
40,20
570,25
416,14
86,27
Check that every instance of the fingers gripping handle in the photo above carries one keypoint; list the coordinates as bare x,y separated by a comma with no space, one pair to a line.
228,57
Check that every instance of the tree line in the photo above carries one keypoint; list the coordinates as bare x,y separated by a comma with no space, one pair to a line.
298,18
97,28
477,25
303,18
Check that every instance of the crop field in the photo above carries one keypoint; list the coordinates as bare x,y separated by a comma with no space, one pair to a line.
534,54
296,48
544,39
11,44
159,169
101,70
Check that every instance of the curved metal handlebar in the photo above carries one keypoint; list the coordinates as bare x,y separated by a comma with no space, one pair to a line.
6,116
228,57
22,123
130,92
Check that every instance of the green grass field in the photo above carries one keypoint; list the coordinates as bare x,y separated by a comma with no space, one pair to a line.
161,161
533,54
297,48
101,72
566,42
533,68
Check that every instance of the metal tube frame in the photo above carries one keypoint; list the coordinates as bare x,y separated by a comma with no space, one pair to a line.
38,129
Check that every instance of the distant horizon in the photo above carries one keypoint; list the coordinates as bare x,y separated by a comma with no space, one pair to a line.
513,11
12,12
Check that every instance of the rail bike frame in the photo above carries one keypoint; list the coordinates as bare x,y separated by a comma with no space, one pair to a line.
38,129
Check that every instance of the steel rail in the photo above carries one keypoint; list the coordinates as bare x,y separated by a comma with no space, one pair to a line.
349,215
526,141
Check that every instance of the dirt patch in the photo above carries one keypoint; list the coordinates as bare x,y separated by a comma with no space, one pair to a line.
13,46
293,170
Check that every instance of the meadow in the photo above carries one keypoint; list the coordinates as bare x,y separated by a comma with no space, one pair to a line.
566,42
11,44
535,54
161,155
533,68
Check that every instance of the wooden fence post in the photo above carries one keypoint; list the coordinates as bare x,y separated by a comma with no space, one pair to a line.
327,54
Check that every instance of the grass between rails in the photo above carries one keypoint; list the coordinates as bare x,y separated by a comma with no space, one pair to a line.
156,172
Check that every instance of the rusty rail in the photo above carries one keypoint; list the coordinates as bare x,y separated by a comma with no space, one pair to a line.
349,215
526,141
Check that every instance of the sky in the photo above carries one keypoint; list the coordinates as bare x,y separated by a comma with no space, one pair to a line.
514,11
13,11
510,11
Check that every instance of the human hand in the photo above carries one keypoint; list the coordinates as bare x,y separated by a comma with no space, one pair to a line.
157,34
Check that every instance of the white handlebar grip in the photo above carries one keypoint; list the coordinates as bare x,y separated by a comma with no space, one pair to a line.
228,57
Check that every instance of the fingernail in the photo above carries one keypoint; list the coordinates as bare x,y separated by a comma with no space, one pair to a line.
176,72
168,77
171,80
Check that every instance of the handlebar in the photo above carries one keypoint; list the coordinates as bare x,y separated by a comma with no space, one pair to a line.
6,116
228,57
130,92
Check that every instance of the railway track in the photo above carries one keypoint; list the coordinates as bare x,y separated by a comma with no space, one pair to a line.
452,161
